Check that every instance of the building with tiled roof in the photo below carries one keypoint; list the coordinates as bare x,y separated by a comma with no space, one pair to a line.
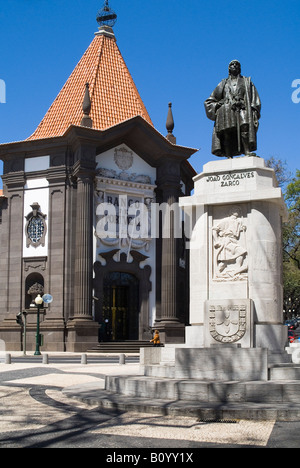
79,216
113,94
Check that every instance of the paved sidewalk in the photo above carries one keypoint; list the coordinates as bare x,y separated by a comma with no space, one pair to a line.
36,411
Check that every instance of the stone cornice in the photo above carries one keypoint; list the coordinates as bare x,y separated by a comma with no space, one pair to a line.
84,169
14,180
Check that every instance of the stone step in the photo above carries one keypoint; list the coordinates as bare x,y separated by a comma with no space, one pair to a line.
161,370
204,411
205,391
129,346
284,372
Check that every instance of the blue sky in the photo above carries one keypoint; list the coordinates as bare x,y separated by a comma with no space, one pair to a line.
177,51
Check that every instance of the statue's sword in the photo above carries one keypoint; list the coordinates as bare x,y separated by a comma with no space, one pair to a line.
238,128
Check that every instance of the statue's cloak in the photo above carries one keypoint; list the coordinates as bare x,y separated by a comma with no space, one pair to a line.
226,120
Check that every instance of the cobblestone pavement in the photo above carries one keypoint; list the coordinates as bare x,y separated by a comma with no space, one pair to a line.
35,413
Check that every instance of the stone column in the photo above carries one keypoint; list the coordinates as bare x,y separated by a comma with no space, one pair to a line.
169,264
171,330
11,257
82,331
84,246
53,325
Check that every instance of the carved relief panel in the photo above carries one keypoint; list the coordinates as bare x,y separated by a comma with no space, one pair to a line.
229,243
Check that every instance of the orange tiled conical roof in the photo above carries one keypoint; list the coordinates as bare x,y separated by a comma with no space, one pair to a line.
114,96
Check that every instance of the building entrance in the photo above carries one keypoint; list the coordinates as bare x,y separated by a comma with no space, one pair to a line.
120,311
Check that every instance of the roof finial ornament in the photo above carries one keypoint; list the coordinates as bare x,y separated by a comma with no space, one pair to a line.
170,125
106,16
86,121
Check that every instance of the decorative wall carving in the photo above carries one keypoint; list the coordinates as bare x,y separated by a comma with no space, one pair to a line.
35,263
36,228
136,208
123,158
228,321
229,247
34,290
227,324
123,175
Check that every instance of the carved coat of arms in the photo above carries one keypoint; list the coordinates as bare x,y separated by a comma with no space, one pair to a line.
227,324
123,158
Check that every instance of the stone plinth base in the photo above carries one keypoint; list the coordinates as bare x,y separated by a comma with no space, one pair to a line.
52,329
236,292
222,363
82,334
219,363
272,336
171,332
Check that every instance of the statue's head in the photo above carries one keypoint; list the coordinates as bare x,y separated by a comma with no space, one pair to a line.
234,68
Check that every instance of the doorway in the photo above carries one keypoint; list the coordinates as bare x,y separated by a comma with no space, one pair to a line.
120,310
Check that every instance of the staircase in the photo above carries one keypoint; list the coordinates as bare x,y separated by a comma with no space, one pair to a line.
129,346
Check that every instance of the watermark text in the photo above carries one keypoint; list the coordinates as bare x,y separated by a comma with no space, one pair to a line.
2,92
296,93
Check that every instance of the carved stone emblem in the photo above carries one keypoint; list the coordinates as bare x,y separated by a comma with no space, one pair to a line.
228,321
36,228
227,324
123,158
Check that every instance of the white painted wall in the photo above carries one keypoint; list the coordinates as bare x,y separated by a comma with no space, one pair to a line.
36,190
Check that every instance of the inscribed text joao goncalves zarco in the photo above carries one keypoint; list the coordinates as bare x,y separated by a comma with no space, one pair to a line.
230,179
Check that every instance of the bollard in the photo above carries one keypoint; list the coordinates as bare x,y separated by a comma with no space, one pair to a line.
7,358
84,359
122,359
45,359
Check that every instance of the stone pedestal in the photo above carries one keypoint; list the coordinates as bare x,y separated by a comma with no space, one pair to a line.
82,335
216,363
236,215
53,329
170,332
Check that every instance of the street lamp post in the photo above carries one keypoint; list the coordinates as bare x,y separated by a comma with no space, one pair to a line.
47,299
24,331
38,301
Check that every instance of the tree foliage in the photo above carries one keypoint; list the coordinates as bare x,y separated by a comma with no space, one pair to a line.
291,236
292,230
291,248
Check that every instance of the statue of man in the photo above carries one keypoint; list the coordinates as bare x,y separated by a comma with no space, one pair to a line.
234,106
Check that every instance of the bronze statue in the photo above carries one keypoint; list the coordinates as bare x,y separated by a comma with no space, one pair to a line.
234,106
